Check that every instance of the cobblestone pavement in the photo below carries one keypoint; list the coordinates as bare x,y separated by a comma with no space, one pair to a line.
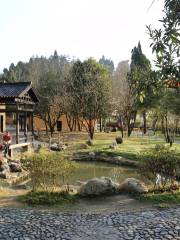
29,224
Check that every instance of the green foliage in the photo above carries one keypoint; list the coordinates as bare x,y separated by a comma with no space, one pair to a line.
161,161
48,169
166,41
142,79
48,198
163,199
89,88
50,91
107,63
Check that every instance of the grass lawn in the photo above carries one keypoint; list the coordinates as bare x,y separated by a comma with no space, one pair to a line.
48,198
130,148
161,198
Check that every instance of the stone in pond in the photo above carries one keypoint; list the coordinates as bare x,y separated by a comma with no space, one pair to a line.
133,185
92,154
98,186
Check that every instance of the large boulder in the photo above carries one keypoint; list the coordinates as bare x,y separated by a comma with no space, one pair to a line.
98,186
133,185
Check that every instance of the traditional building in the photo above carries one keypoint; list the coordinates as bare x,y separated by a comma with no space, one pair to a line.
17,101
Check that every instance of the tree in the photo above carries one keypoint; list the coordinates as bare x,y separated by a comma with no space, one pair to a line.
143,82
122,101
166,42
107,63
51,99
89,87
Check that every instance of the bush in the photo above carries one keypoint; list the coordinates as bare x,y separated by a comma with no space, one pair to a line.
47,169
160,165
119,140
160,198
47,198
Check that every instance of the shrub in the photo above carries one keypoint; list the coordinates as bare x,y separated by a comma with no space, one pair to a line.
47,169
119,140
160,165
47,198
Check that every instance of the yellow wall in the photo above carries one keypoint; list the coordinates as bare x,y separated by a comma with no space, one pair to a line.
40,126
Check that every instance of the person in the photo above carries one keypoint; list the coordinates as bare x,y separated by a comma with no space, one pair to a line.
7,142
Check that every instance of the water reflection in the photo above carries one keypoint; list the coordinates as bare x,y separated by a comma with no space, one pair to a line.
88,170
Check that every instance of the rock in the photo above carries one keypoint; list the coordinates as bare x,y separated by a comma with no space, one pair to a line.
4,167
113,145
5,174
58,147
16,161
98,186
15,167
159,147
124,162
119,140
133,185
4,160
92,154
83,146
89,142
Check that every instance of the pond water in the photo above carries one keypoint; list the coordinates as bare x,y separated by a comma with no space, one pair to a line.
88,170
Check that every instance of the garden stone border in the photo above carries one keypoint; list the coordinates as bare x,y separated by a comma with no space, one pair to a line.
96,156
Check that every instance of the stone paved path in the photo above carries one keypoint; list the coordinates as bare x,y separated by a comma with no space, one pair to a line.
29,224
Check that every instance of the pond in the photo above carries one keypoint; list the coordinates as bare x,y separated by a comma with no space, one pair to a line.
88,170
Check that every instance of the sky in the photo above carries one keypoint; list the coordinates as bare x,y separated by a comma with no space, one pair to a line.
78,28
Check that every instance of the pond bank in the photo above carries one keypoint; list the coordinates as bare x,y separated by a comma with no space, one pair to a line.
101,157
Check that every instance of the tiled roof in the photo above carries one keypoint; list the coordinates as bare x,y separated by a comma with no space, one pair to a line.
13,89
16,90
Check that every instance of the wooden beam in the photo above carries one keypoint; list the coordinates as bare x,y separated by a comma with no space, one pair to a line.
19,100
15,110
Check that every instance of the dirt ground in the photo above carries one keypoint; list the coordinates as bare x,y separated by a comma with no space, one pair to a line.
105,204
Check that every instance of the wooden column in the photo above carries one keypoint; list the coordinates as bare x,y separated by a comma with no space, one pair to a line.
17,124
32,125
25,125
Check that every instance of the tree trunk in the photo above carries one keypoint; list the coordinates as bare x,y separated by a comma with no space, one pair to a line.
79,126
91,128
70,122
165,130
131,119
121,126
100,124
154,124
51,130
144,122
